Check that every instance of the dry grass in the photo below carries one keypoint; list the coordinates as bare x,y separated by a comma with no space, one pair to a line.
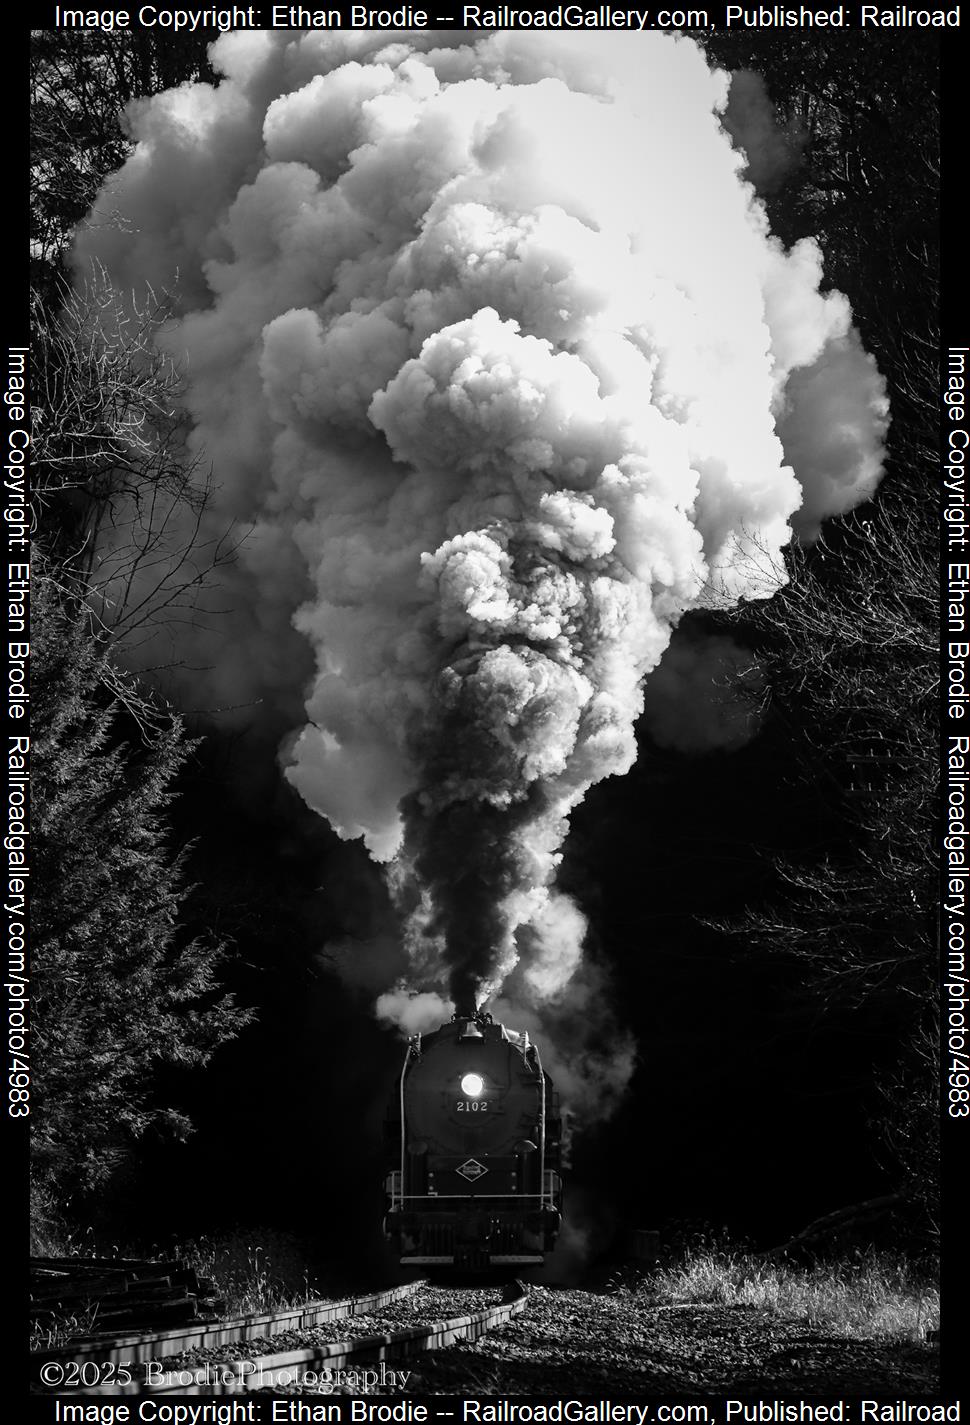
63,1330
253,1271
869,1295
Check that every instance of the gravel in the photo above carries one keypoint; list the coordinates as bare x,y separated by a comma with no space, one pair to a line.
426,1306
574,1342
581,1342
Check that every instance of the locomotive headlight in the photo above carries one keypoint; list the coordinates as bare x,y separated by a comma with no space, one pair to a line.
472,1085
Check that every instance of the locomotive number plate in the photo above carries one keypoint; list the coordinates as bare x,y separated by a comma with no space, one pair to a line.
470,1105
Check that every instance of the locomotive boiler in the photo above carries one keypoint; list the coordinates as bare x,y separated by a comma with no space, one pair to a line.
474,1142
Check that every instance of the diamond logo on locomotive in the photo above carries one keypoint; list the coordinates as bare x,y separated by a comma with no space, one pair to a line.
472,1170
474,1145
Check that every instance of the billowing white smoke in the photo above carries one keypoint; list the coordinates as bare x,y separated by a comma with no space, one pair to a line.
491,344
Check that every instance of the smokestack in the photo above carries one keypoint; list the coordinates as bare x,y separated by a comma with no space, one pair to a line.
491,345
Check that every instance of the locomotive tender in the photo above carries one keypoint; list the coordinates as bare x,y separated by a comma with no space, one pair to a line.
474,1140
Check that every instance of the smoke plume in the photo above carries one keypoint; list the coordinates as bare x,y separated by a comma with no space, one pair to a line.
490,347
771,149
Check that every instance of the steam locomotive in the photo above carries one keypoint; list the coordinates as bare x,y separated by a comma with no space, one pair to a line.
474,1144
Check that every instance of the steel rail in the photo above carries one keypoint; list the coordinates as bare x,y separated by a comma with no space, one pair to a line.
239,1376
155,1345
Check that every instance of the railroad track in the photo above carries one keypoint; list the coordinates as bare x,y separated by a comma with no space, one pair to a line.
156,1345
151,1370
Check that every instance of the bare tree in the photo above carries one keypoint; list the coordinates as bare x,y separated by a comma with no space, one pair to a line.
80,84
123,505
848,652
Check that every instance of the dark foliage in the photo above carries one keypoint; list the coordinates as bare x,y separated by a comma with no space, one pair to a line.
849,649
124,991
119,988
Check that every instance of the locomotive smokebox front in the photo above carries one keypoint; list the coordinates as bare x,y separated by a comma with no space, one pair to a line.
476,1181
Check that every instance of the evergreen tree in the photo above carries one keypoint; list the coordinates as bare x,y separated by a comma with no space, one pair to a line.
119,987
